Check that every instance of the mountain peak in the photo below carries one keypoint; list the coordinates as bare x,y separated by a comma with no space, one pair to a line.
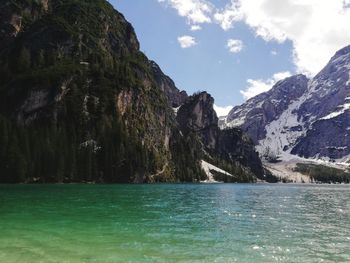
197,113
342,52
256,113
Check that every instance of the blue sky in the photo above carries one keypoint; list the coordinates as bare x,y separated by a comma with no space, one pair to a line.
271,50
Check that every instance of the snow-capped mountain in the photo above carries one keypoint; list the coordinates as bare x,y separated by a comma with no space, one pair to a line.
259,111
308,118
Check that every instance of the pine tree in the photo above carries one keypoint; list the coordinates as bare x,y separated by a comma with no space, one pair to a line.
24,60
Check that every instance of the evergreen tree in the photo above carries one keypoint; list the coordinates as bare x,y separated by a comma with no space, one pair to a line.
23,60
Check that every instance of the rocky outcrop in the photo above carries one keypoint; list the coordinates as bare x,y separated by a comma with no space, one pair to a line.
198,116
327,138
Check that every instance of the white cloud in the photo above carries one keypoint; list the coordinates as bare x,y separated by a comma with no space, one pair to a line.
196,27
228,16
222,111
258,86
196,11
186,41
274,53
317,28
234,45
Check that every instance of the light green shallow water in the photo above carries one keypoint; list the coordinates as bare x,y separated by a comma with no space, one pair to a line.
174,223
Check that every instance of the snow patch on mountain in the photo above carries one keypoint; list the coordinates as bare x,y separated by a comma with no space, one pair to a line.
207,168
282,133
342,110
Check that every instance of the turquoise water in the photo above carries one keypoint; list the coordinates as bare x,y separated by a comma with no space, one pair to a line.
174,223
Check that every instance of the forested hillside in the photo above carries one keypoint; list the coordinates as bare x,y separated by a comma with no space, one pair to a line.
79,102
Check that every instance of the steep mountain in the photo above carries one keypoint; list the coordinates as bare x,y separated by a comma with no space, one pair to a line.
259,111
229,148
325,111
197,115
81,94
79,102
303,118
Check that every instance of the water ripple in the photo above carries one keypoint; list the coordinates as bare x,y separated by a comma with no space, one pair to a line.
175,223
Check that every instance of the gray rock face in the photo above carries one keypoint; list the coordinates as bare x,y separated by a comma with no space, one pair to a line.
306,118
327,138
175,97
261,110
328,89
325,111
197,115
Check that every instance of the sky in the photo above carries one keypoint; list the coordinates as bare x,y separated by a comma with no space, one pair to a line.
236,49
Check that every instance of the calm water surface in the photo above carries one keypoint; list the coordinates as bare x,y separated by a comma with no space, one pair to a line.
174,223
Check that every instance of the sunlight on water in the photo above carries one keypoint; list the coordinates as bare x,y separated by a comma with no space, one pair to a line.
175,223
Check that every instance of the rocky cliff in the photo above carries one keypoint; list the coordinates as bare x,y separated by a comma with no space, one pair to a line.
259,111
324,112
71,71
197,115
230,148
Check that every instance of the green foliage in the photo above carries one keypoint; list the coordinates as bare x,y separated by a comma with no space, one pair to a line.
221,177
269,177
12,160
323,174
58,149
23,61
186,154
55,154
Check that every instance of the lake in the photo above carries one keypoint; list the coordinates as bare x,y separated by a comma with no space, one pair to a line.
175,223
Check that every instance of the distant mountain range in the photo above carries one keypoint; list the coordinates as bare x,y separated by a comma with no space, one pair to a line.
301,117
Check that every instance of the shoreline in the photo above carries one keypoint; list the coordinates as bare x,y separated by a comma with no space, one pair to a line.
183,183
